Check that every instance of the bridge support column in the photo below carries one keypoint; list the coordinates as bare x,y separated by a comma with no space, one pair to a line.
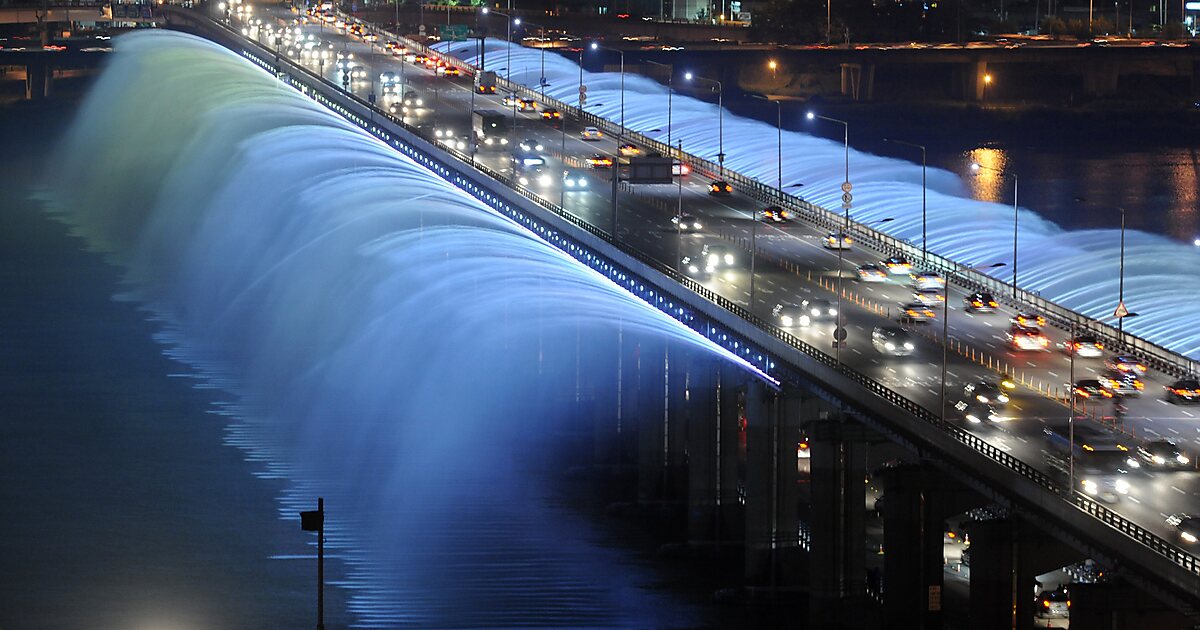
1006,557
39,79
838,518
852,80
651,416
1119,606
712,436
916,502
772,435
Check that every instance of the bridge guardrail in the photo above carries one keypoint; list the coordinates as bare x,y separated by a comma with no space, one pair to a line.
1131,530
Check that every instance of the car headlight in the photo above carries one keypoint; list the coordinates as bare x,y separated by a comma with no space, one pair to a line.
973,418
728,259
890,346
816,312
1122,486
696,225
713,259
1133,463
804,320
503,141
1090,487
908,345
524,180
1159,460
1002,398
981,398
1187,536
1182,459
420,102
544,180
787,320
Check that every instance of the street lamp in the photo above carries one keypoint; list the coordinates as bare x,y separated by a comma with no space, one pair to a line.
924,237
507,38
846,199
778,138
597,46
670,79
976,167
772,65
987,80
720,119
542,45
946,328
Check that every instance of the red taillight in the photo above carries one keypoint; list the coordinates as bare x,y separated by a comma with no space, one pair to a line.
1045,603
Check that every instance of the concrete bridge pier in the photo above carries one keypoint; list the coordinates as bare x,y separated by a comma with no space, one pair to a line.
772,518
713,436
39,81
837,563
858,81
916,501
1006,557
661,392
974,81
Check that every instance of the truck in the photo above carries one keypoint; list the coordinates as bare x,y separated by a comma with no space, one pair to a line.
485,82
490,127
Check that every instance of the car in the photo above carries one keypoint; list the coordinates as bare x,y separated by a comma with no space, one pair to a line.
526,105
1122,383
872,273
718,256
976,412
509,100
529,145
893,341
1091,388
1186,527
680,169
980,302
452,71
526,161
915,312
791,315
1086,346
447,138
819,308
600,161
775,214
420,58
413,99
551,114
837,240
720,187
1161,454
591,133
493,142
927,280
1106,488
686,223
1029,319
535,175
897,266
1027,338
574,180
1125,363
986,392
1055,603
629,150
1185,390
929,297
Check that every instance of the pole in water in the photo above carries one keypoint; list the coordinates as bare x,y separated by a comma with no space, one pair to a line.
314,521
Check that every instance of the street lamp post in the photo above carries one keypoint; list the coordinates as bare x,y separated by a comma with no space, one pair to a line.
924,236
720,119
597,46
778,103
946,328
846,187
976,167
679,220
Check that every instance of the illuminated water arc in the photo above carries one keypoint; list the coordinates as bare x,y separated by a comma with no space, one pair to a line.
392,331
1062,265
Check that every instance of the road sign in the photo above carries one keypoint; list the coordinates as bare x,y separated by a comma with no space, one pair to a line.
845,206
846,187
1121,310
371,98
421,29
847,197
454,32
839,333
582,99
582,89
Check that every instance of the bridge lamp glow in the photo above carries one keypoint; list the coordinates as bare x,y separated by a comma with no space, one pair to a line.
687,75
484,10
595,46
810,115
987,78
516,21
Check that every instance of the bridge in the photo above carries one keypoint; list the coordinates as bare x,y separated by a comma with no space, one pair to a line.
841,407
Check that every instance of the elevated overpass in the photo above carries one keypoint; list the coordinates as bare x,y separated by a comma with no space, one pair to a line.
842,407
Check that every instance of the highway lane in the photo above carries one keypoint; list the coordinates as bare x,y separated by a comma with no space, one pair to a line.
644,221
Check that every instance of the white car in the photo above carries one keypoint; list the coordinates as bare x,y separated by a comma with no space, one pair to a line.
590,133
893,340
835,240
574,180
686,223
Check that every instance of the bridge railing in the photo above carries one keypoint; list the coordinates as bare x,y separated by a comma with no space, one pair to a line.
323,90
